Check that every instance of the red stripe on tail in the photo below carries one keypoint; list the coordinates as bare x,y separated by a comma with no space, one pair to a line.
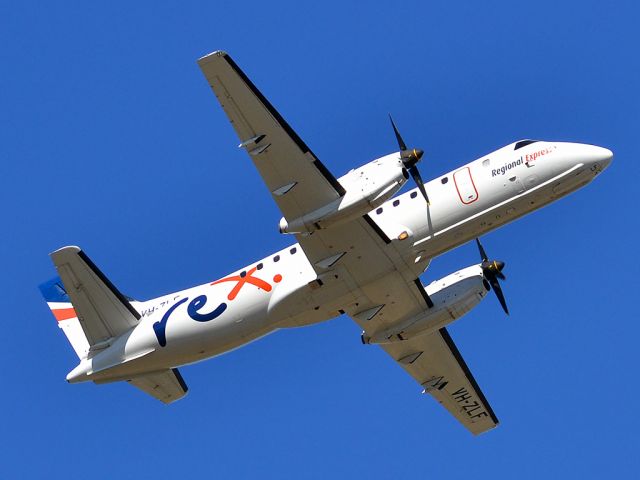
64,313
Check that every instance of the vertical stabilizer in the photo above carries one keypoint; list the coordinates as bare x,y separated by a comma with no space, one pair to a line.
60,304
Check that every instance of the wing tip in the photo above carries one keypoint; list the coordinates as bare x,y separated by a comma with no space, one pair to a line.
211,56
477,433
64,252
68,248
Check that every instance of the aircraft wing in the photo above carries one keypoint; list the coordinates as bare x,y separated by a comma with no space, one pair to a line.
433,360
167,386
297,180
102,310
360,253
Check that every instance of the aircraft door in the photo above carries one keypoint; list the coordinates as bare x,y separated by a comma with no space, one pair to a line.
465,186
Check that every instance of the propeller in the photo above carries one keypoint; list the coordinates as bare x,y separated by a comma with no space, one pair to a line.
492,271
410,158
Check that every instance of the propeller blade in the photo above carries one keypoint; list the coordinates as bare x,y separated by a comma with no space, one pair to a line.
493,281
409,159
401,143
415,174
492,271
483,254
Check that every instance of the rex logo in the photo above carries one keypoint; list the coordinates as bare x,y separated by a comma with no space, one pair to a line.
198,303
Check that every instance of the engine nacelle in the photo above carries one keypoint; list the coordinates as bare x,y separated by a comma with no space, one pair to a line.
366,188
452,296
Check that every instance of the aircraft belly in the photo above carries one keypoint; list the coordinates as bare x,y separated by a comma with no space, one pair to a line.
360,252
193,332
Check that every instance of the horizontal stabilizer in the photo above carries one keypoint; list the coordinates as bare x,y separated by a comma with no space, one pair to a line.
103,312
167,386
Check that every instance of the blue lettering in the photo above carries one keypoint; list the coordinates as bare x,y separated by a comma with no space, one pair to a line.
160,327
199,302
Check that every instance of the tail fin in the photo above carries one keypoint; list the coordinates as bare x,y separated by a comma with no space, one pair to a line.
60,304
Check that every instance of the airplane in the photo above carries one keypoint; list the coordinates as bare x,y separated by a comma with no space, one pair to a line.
360,250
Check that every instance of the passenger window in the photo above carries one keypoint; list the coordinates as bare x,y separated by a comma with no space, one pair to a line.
486,162
379,211
414,194
396,203
259,266
293,250
444,180
276,258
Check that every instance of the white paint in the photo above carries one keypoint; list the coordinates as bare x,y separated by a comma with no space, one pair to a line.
444,225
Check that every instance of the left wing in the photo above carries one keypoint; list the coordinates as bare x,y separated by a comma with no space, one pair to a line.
433,360
167,386
359,254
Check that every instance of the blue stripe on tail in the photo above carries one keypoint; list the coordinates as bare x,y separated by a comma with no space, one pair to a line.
53,291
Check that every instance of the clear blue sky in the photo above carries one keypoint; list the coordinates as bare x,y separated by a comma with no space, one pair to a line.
111,139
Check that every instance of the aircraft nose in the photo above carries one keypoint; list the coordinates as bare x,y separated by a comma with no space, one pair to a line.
607,156
598,157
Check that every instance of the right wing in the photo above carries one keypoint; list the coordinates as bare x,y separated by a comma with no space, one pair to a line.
297,180
167,386
103,311
359,253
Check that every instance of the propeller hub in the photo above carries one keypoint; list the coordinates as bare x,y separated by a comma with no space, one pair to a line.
492,271
411,156
493,266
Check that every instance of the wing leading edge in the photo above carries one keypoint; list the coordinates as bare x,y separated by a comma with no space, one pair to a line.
300,184
296,178
298,181
435,362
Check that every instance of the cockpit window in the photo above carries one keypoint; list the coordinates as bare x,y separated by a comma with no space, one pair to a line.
524,143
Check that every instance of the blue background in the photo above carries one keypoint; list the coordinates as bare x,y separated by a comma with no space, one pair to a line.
111,139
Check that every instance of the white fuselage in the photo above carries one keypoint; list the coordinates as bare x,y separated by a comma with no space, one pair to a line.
272,293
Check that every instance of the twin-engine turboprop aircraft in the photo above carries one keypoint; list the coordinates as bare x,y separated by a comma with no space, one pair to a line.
360,251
